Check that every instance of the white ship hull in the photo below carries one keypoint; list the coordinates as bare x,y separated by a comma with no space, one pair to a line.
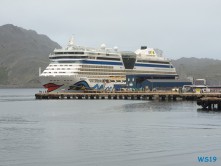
79,68
72,83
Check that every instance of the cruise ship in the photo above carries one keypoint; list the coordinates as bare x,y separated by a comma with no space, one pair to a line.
75,68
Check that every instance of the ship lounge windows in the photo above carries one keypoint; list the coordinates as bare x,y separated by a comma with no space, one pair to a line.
129,59
148,61
58,53
110,59
69,57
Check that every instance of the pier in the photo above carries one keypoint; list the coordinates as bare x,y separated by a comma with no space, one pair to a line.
127,95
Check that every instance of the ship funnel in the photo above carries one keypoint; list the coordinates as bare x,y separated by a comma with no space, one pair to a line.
143,47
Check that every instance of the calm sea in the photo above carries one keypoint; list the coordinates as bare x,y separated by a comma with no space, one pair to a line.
104,132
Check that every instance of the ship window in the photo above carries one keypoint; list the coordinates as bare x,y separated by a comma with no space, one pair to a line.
69,57
104,58
58,53
147,61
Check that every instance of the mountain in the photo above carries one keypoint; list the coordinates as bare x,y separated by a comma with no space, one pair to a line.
210,69
22,52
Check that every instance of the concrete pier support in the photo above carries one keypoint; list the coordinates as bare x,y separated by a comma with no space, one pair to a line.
115,97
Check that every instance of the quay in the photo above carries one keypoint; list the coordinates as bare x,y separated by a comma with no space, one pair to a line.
128,95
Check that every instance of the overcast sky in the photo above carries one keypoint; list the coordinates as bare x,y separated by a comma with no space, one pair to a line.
181,28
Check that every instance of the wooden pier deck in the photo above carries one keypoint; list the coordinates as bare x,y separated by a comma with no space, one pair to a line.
134,95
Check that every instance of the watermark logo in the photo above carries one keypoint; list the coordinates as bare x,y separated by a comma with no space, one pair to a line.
207,159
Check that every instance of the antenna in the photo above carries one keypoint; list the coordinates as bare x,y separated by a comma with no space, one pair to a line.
71,41
39,71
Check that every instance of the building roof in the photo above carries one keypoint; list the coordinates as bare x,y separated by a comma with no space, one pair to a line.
166,80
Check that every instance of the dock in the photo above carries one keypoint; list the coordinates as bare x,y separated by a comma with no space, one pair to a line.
127,95
210,103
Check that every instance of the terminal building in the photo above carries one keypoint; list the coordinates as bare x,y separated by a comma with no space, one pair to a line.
152,82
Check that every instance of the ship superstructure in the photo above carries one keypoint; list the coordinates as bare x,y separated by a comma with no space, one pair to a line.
78,68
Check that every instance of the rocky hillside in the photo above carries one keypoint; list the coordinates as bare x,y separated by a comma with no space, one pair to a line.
22,52
199,68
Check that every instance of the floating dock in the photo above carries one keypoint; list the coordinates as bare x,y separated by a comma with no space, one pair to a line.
210,103
125,95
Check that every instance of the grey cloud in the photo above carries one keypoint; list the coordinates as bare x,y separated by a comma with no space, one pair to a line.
190,28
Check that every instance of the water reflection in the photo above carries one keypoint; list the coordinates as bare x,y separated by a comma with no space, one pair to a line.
208,111
157,106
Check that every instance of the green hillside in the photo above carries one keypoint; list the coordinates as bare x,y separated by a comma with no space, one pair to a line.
22,52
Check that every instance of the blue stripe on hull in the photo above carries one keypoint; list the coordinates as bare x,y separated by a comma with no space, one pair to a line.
119,63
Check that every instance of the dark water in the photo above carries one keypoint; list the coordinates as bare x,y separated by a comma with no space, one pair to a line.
104,132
